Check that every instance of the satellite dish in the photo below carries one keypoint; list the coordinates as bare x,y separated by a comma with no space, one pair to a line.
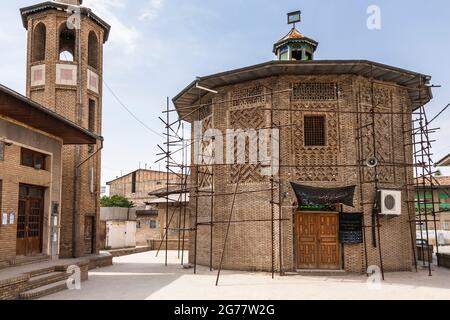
372,162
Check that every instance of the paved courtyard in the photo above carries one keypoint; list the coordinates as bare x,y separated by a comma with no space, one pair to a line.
143,276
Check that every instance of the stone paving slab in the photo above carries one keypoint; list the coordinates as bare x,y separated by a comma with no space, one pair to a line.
143,276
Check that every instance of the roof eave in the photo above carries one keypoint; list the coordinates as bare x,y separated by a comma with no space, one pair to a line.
409,76
279,44
444,162
25,12
85,136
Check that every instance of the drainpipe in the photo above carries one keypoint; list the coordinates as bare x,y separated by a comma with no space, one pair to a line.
77,148
95,153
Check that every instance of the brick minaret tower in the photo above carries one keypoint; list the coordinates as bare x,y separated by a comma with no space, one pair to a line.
64,74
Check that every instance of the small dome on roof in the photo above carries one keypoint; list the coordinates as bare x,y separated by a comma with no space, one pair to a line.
295,46
293,34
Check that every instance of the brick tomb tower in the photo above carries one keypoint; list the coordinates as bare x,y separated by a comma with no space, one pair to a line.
64,73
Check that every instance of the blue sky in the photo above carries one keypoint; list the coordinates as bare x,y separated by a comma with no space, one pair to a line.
157,47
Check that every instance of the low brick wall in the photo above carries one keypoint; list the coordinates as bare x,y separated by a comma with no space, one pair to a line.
10,289
172,244
128,251
444,260
101,262
425,252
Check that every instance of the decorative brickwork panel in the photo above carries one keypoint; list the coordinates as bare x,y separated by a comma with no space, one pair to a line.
383,133
248,96
38,75
205,111
93,81
318,91
66,74
316,163
205,170
249,118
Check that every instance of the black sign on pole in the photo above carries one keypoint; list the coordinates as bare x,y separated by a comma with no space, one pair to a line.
294,17
351,228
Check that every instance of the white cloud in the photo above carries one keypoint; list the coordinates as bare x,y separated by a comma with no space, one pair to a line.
151,10
123,36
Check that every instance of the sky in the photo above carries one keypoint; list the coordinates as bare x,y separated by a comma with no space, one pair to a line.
157,47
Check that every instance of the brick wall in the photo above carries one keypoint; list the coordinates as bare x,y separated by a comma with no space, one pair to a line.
249,246
64,100
144,232
146,181
12,174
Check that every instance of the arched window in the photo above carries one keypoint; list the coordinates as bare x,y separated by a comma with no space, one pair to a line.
67,39
39,38
66,56
93,50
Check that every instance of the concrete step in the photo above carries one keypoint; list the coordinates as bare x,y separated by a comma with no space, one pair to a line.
45,279
43,291
40,272
23,261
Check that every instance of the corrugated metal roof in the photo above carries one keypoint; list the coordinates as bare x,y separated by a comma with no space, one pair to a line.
172,198
439,182
444,162
409,79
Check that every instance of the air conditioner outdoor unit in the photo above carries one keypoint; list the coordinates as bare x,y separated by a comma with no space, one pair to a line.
390,202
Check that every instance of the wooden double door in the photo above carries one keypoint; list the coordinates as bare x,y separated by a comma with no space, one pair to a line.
317,240
30,217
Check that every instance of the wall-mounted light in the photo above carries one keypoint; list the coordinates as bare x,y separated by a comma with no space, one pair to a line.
6,142
198,86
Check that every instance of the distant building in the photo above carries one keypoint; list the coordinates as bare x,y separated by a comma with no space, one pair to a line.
444,162
117,228
439,197
104,191
177,202
148,226
137,185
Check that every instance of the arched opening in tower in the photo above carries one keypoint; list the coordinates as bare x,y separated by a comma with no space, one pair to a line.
93,50
67,40
39,38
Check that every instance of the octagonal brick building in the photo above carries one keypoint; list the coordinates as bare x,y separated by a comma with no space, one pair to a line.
333,116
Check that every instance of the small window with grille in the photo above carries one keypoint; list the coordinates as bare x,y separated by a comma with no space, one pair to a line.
2,151
33,159
314,131
133,182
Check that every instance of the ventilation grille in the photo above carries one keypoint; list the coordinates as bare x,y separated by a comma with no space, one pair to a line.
316,91
247,96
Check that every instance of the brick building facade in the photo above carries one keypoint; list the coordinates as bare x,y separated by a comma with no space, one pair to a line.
137,185
64,74
362,110
436,199
31,143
